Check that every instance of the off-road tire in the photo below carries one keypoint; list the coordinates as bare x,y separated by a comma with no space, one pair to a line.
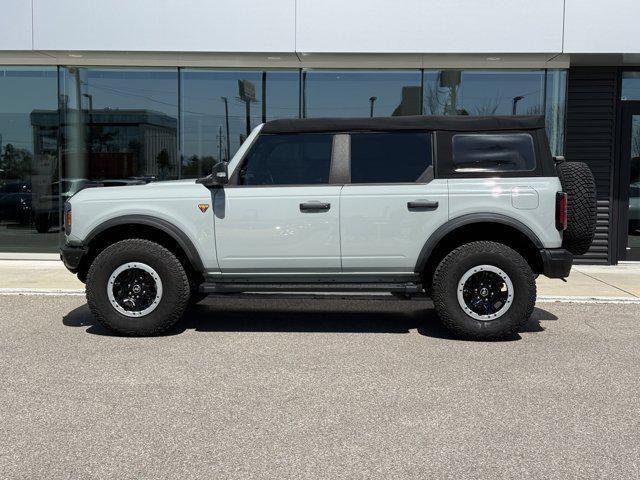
175,285
578,183
451,270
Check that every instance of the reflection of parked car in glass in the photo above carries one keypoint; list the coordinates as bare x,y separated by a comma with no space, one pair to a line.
15,202
47,213
47,207
634,209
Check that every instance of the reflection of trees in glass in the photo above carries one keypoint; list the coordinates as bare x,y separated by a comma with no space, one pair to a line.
197,166
15,162
163,161
488,106
99,139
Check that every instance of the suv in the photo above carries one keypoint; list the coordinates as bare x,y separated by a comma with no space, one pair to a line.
465,210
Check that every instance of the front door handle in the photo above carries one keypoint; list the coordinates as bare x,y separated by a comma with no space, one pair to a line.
422,205
314,206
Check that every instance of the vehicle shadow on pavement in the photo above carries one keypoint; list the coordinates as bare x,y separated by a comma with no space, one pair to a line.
305,316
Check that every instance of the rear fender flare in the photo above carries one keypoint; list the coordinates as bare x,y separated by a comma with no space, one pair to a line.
471,218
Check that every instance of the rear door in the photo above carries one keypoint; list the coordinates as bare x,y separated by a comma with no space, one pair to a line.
392,204
280,212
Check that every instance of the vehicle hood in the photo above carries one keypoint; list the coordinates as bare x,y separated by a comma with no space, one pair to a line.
162,190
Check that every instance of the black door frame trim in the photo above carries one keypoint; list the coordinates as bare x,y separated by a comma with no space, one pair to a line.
620,195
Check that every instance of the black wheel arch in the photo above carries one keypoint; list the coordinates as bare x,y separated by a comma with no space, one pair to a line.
143,226
473,227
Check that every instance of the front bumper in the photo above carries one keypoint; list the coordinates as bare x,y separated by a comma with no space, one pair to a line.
556,262
71,256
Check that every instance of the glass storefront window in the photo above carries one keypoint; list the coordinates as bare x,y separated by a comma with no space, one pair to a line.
358,93
484,92
499,92
630,86
119,123
28,160
555,109
219,108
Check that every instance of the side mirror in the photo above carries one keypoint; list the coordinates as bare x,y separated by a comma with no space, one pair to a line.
218,178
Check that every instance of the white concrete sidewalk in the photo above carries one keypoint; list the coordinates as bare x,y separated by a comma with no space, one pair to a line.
621,281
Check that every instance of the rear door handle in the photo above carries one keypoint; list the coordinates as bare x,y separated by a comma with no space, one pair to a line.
422,205
314,206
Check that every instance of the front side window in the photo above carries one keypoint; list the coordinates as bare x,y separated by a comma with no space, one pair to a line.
510,152
299,159
398,157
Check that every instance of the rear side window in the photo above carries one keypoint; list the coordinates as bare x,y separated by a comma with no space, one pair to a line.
300,159
389,157
491,152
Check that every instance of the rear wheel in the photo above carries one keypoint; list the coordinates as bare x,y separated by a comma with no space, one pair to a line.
484,290
137,287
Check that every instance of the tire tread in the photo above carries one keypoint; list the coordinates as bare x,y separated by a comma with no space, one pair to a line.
174,309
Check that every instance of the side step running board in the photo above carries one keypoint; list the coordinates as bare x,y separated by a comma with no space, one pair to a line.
229,287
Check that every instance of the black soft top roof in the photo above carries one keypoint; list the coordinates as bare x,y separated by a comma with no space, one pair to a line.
415,122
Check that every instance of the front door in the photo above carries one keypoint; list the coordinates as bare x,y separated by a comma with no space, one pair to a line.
629,186
280,213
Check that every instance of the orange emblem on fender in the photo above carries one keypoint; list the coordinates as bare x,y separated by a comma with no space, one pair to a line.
203,207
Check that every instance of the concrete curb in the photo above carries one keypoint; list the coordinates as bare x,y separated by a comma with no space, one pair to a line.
541,298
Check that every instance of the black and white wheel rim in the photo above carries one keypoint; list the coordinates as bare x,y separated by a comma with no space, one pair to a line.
485,292
134,289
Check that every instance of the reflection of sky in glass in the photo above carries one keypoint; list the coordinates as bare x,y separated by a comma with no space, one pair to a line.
203,107
349,93
155,90
630,86
22,90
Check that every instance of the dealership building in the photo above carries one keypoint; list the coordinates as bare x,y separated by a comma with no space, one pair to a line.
118,91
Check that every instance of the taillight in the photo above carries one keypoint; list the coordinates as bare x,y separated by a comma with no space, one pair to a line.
561,211
67,218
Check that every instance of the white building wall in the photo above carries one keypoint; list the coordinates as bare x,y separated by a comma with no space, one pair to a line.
436,26
318,27
15,25
164,25
602,26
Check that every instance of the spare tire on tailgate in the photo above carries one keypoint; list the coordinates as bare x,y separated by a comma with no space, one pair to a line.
578,183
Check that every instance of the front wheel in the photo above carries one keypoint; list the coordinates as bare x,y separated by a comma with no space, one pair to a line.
136,287
484,290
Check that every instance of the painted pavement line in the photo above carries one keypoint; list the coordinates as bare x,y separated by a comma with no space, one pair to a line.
541,298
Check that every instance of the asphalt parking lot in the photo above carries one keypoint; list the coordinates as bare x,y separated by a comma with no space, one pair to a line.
318,389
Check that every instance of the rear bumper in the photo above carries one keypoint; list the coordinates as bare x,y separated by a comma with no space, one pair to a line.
71,256
556,262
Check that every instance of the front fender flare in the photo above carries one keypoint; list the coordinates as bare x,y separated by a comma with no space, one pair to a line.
167,227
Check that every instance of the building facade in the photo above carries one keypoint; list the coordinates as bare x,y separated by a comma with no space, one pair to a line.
118,91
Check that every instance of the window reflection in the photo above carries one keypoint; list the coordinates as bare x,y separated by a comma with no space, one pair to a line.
630,86
219,108
556,101
484,92
28,160
119,123
357,93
